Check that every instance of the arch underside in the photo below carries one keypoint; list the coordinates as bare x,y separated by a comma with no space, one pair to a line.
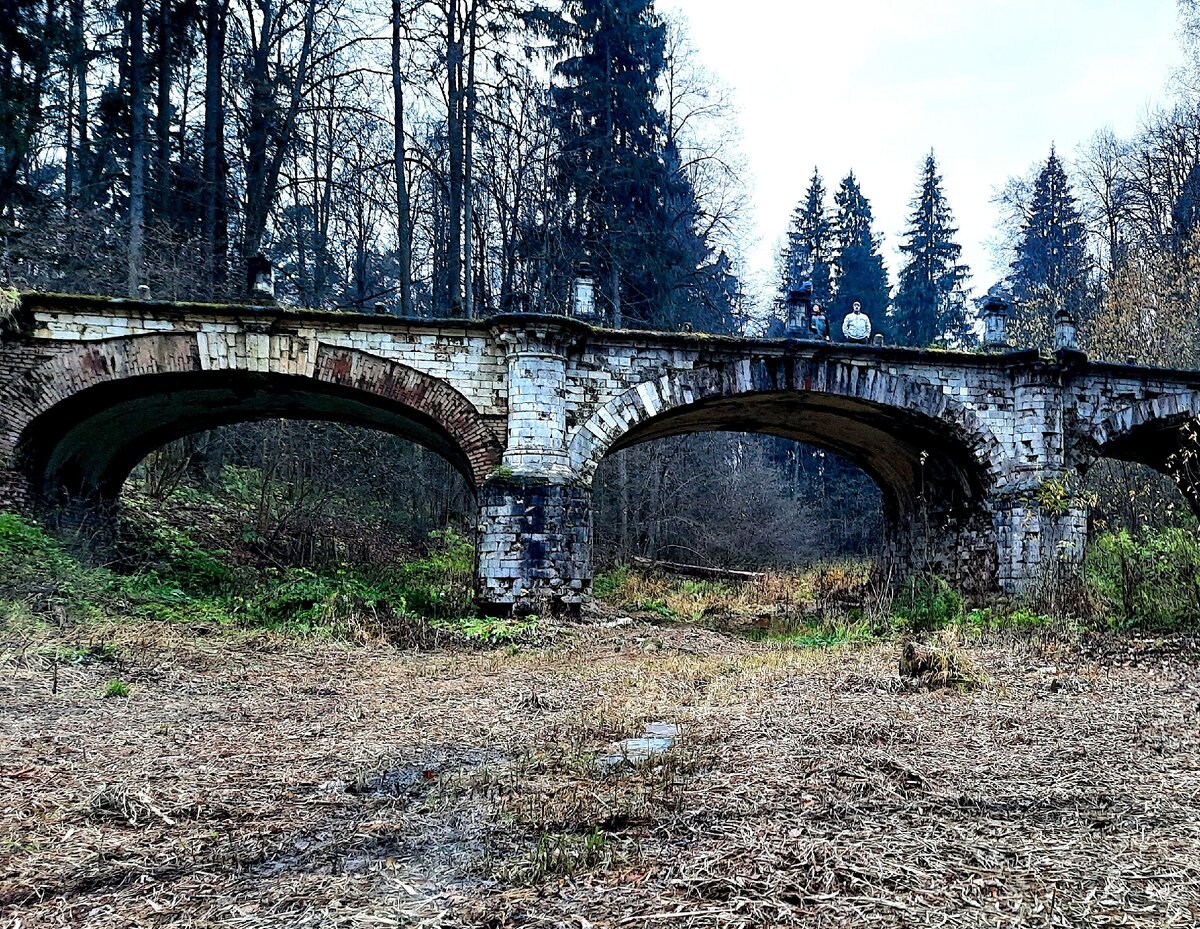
915,460
1163,445
87,444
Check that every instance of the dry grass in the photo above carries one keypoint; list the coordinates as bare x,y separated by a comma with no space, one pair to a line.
831,586
268,783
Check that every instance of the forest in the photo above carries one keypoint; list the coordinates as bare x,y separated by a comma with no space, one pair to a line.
260,691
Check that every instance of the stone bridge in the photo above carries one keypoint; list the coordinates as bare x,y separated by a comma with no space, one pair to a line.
971,452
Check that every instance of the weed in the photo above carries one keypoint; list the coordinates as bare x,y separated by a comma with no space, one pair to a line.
926,603
561,854
81,654
116,688
491,630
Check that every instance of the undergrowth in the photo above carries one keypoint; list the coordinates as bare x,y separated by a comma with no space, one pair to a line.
420,602
1150,581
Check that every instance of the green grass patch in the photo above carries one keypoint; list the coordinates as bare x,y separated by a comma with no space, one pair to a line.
116,688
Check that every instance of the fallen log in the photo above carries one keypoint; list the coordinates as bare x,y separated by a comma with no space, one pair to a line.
694,570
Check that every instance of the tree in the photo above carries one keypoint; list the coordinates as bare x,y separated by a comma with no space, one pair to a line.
137,147
1051,266
699,287
859,274
931,297
215,166
29,36
808,253
399,170
610,167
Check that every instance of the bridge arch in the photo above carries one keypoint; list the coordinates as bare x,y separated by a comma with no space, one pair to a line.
1148,431
916,442
95,410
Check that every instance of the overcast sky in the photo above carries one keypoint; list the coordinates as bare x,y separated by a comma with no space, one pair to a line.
872,85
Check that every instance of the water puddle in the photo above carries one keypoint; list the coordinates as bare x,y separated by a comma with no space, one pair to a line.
657,738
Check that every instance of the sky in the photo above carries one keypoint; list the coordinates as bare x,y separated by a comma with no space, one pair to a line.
873,85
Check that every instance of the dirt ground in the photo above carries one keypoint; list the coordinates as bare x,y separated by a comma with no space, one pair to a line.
253,782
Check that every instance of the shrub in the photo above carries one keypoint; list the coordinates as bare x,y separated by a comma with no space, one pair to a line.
40,572
927,603
1148,580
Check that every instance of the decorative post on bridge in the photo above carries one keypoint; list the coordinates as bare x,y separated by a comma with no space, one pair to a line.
995,320
799,312
535,517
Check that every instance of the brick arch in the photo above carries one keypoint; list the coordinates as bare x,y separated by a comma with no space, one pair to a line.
677,390
82,376
1160,414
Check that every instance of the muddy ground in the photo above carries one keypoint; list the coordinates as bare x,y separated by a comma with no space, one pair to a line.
256,782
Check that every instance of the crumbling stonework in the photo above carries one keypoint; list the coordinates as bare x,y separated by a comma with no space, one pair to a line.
535,539
962,446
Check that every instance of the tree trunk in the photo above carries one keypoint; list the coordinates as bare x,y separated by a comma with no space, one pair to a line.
137,149
216,234
399,151
469,131
268,138
454,135
615,287
79,164
162,121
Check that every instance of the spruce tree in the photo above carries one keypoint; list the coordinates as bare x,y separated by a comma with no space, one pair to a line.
931,297
808,254
1051,266
859,274
611,171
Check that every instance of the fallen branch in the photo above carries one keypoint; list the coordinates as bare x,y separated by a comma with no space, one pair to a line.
693,570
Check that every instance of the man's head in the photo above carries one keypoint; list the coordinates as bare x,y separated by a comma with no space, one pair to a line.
857,307
817,310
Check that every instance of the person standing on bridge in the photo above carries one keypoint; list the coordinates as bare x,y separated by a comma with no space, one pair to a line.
856,327
819,324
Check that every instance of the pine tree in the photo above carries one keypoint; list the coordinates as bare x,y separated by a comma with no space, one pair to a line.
931,297
808,254
1051,266
859,274
610,166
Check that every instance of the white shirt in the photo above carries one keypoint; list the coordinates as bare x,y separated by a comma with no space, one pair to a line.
857,326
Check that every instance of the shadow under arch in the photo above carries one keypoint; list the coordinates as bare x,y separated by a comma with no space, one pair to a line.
923,449
105,407
1156,433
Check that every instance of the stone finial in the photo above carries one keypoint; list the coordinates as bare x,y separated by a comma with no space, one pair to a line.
1066,332
994,312
260,275
143,291
799,311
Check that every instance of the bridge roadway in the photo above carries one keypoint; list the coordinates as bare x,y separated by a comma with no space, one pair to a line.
976,455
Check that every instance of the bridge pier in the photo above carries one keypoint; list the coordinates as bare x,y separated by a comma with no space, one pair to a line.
14,490
1037,541
535,544
535,516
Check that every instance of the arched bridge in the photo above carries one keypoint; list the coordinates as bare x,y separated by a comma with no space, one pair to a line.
970,451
